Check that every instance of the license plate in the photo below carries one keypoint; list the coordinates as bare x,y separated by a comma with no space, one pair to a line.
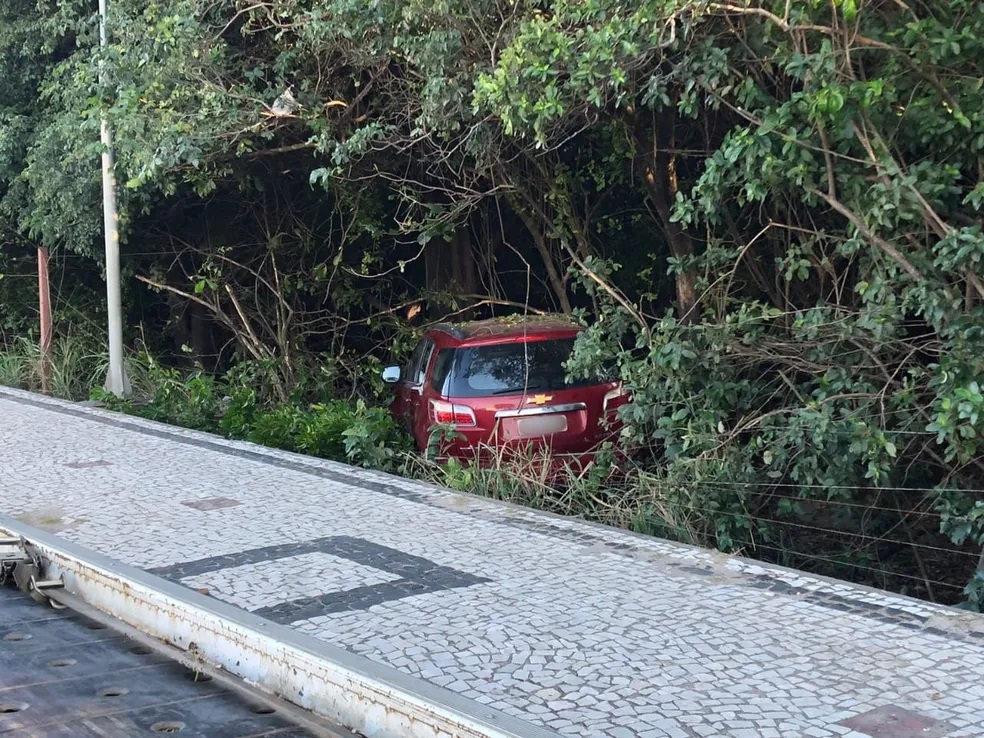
541,425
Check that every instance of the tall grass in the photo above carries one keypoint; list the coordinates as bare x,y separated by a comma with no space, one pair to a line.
78,365
620,495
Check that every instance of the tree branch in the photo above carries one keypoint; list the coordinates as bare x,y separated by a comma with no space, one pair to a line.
884,245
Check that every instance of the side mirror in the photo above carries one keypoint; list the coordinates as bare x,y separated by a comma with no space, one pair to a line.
391,374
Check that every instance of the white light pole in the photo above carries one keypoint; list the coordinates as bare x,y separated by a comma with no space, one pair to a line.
116,379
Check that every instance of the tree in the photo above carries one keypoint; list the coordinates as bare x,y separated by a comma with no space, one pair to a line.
837,191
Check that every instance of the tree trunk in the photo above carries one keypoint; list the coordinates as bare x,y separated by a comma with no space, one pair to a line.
556,279
450,265
659,175
199,333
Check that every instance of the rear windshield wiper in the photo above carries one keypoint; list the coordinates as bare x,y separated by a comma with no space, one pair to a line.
518,390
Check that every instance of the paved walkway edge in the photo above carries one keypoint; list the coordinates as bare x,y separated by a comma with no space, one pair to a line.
369,698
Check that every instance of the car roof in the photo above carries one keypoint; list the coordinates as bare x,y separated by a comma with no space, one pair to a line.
510,326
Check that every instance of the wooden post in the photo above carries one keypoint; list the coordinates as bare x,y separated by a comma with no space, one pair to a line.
44,305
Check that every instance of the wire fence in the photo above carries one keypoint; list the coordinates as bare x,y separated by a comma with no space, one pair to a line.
891,537
954,589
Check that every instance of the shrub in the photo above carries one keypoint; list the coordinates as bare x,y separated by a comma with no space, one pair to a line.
342,430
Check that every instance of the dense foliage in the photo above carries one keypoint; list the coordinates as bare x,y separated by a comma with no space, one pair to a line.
768,213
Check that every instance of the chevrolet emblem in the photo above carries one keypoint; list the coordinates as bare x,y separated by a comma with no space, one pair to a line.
539,399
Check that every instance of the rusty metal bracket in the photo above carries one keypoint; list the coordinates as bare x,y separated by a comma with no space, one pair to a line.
12,553
19,563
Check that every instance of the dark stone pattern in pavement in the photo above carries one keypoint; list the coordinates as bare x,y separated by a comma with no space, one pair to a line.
415,575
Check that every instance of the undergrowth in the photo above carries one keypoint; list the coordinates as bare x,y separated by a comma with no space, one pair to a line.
352,431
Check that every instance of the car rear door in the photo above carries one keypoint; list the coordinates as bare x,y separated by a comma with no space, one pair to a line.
402,406
418,412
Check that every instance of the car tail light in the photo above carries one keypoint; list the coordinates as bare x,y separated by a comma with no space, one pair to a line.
446,413
615,398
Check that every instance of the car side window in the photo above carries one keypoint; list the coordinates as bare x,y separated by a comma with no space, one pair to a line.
428,351
417,367
410,372
441,368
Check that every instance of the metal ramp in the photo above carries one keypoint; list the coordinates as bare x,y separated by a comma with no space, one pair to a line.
73,672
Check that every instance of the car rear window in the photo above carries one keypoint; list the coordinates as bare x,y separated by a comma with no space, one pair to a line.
505,368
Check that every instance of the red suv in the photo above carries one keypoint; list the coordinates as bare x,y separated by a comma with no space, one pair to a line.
502,382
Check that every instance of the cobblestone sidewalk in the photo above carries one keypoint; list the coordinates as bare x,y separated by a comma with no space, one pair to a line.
580,629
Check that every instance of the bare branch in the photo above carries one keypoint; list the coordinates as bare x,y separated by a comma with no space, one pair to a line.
884,245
